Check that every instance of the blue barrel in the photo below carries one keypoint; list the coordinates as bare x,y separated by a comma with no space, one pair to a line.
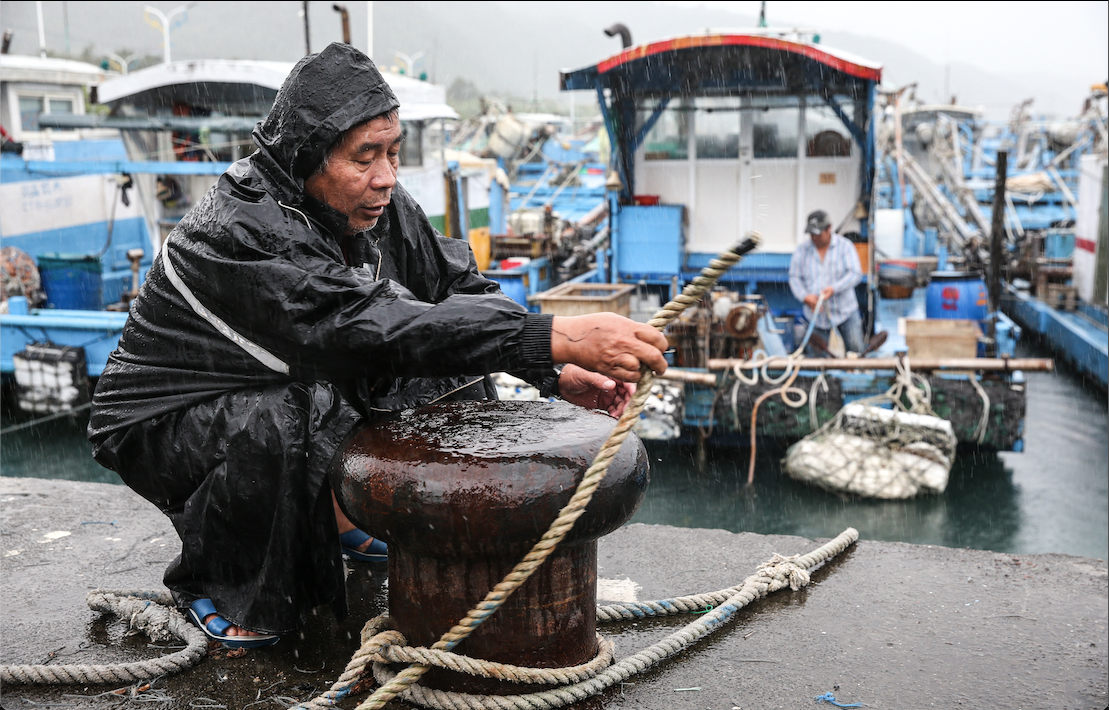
71,281
957,295
513,283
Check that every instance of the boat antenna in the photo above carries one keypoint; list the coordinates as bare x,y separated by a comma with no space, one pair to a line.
342,10
307,34
621,29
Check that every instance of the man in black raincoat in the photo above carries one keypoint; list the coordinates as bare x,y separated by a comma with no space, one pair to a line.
306,291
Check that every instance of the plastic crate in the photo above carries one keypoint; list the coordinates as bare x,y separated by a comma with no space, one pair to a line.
575,299
51,378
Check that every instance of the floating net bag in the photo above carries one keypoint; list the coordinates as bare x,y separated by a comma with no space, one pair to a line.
896,451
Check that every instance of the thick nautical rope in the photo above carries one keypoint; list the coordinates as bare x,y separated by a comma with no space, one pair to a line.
152,612
779,573
788,376
569,514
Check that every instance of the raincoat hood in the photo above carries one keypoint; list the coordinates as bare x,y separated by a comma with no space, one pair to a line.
325,95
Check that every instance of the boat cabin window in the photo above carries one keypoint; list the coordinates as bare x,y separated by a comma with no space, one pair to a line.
774,131
716,126
668,139
825,134
412,150
31,107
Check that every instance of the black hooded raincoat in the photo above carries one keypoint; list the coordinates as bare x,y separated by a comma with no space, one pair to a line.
263,335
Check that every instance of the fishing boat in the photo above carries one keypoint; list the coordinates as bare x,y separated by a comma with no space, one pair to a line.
73,217
940,166
720,134
553,197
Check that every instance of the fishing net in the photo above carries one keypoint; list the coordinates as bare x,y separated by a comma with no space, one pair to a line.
890,446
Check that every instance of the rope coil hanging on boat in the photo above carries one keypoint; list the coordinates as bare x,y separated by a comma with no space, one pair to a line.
789,374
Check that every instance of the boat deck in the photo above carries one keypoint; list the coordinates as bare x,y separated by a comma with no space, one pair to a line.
1080,336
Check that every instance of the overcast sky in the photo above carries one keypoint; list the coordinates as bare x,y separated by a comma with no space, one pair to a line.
1050,50
1038,38
1034,37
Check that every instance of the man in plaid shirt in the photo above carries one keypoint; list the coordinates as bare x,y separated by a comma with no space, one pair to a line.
828,266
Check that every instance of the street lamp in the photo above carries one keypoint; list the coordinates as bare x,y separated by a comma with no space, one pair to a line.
164,19
409,62
123,62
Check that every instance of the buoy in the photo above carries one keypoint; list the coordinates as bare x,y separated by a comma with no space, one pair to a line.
461,492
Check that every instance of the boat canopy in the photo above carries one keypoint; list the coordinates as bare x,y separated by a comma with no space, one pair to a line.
759,70
49,70
244,88
268,75
728,64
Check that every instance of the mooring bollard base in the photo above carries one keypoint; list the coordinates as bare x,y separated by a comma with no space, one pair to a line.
461,492
549,622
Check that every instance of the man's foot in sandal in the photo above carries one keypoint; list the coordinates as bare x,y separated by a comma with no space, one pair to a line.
355,546
204,614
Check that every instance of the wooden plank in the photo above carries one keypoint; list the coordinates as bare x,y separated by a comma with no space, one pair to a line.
918,364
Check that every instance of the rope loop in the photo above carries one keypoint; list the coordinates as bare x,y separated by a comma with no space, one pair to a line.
152,612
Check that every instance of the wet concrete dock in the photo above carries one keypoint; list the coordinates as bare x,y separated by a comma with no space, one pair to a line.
887,625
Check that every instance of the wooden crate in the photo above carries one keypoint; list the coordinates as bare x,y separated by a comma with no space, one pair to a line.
1060,297
938,337
533,247
575,299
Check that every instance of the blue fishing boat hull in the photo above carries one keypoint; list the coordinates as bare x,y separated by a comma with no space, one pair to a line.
1080,336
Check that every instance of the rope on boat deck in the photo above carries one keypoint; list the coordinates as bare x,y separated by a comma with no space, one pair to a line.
790,374
152,612
382,646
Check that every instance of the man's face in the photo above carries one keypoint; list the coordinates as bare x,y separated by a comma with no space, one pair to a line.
822,240
361,174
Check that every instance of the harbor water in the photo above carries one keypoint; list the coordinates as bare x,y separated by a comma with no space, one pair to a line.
1053,497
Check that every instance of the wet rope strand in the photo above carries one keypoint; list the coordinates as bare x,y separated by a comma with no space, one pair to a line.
152,612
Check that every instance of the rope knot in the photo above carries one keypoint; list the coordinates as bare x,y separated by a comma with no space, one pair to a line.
785,570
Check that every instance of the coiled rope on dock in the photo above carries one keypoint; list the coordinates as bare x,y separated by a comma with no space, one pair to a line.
383,646
153,613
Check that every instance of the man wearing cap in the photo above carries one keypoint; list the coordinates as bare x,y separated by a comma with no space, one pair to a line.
824,271
303,295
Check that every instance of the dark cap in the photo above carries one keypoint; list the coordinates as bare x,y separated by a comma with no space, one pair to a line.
817,222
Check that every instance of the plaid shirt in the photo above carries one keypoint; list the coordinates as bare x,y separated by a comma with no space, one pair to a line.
840,269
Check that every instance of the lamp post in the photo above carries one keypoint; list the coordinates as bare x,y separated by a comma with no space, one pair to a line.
409,62
123,62
164,19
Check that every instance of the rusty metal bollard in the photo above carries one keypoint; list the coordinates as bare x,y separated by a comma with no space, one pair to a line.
461,492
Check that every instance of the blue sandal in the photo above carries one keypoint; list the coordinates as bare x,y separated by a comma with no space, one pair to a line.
216,628
351,540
